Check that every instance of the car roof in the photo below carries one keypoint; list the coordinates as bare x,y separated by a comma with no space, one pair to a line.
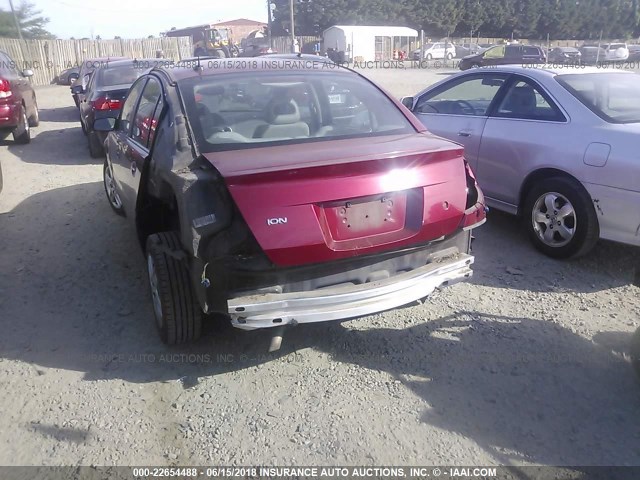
266,63
541,71
131,62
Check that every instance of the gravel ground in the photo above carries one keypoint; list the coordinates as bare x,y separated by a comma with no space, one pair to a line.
525,364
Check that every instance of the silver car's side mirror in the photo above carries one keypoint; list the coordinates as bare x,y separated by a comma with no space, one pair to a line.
407,102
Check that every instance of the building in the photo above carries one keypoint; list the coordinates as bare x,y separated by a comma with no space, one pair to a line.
241,27
367,43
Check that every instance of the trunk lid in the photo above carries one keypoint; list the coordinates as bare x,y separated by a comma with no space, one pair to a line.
327,200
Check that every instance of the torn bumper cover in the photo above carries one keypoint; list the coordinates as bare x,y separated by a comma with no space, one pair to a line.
347,301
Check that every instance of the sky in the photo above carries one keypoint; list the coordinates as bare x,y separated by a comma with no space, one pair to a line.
139,18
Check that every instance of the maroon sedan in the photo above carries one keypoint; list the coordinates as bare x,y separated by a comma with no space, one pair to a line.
18,105
281,192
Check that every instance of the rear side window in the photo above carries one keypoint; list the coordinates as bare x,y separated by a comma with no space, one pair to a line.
614,97
531,51
513,52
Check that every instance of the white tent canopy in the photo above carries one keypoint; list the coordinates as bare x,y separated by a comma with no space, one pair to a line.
366,42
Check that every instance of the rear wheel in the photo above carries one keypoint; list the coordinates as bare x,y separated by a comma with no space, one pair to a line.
177,312
560,218
72,78
34,119
22,133
429,56
449,56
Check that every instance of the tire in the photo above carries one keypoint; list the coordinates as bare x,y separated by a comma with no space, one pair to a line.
177,312
635,352
110,189
219,54
429,57
475,65
96,150
34,119
449,56
22,133
73,77
571,229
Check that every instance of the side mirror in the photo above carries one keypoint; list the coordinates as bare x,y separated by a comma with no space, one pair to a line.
104,124
407,102
27,73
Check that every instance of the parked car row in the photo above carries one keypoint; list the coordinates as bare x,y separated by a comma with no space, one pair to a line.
306,194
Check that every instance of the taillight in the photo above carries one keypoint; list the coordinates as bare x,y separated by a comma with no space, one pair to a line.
5,88
475,213
104,103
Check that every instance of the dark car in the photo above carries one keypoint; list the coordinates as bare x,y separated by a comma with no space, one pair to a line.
592,54
104,95
281,196
68,76
504,55
84,75
565,56
18,104
634,53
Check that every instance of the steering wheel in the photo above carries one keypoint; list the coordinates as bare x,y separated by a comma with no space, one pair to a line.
466,107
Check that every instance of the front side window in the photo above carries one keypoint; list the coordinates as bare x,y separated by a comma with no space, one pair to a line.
259,108
129,107
468,97
525,100
146,117
614,97
495,52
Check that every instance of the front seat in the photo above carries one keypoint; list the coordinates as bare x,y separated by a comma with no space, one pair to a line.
520,101
283,116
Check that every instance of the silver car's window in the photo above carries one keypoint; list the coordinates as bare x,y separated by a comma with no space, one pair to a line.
254,109
525,100
468,97
614,97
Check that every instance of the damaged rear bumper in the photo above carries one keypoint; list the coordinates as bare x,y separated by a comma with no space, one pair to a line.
341,302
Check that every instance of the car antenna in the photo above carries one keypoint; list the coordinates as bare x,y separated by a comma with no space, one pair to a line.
198,67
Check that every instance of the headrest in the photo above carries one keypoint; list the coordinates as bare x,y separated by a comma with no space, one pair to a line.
524,96
283,112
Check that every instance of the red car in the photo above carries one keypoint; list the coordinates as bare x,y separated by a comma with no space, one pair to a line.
281,196
18,104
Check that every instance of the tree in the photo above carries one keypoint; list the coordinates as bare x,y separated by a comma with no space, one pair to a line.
32,23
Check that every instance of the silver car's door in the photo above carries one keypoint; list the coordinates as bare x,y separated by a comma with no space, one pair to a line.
457,110
518,137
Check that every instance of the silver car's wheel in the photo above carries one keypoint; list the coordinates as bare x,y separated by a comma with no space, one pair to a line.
554,219
560,217
110,189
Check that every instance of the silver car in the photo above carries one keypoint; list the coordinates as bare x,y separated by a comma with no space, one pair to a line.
559,147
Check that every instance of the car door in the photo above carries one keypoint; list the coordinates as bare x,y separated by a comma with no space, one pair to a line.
457,109
85,100
119,148
524,131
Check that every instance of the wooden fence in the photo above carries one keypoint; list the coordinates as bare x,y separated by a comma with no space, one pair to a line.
47,58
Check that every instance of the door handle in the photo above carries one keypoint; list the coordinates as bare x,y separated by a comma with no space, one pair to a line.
464,133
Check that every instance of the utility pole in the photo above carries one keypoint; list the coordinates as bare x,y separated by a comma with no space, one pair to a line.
293,31
15,18
269,24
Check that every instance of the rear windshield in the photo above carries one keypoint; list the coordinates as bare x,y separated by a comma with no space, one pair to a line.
614,97
615,46
124,75
251,109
